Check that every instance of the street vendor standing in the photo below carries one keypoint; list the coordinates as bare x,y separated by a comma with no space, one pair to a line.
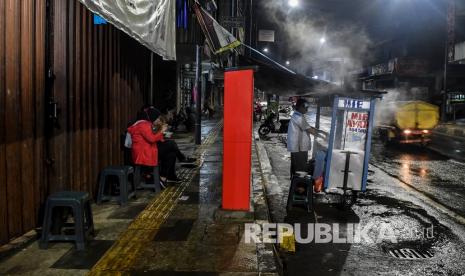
298,137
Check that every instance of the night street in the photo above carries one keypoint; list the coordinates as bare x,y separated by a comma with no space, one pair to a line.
232,137
439,178
389,199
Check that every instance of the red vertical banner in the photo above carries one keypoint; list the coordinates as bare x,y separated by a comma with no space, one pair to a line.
237,151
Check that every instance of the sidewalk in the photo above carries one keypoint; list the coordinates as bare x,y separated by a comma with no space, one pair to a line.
179,232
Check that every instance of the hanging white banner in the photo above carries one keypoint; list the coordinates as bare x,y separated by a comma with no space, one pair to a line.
151,22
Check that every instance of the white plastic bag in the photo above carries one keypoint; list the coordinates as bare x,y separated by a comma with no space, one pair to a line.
128,141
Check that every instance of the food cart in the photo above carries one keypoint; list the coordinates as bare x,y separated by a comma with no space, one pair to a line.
339,168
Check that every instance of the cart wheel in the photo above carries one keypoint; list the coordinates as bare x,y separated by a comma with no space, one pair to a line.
347,200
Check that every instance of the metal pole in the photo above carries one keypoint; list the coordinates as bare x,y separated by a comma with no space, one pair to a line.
179,94
251,27
198,90
318,114
444,96
277,111
449,52
233,14
151,79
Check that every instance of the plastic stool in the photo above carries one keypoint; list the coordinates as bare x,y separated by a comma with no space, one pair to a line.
125,191
156,179
83,225
305,199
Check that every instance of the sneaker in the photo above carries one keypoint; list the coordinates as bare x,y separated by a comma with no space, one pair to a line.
189,160
162,184
173,180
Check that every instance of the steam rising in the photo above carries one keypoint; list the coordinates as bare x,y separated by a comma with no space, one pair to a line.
385,111
343,44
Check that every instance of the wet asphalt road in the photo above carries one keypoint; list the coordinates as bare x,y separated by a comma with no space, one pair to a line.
430,173
386,202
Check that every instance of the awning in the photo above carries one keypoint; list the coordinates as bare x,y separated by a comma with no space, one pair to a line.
151,22
276,80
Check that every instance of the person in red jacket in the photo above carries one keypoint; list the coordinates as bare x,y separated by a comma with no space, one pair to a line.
145,133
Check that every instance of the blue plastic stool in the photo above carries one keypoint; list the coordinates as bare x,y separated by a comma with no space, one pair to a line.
142,185
83,225
127,188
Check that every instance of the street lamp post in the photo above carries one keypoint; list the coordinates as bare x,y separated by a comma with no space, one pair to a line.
449,53
198,95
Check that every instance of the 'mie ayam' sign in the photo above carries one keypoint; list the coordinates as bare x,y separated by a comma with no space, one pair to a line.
356,129
357,121
356,117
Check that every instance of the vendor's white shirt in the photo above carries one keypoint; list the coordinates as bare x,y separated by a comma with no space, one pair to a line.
298,139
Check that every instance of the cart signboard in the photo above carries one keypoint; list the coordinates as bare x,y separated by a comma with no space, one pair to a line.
349,144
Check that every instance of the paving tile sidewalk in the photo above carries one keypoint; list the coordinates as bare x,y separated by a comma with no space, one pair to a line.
196,238
23,257
178,232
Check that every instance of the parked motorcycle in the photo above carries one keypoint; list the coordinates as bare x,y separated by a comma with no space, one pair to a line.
271,126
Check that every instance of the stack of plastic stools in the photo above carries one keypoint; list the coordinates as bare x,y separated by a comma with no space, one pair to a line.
79,202
127,188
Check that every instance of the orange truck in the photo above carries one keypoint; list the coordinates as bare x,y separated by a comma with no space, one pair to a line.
406,121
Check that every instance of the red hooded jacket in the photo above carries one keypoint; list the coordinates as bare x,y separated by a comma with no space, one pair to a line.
144,143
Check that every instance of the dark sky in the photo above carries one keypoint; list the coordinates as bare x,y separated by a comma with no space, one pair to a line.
380,17
419,23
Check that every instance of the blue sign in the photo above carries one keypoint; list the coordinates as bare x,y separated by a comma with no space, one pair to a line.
347,103
98,20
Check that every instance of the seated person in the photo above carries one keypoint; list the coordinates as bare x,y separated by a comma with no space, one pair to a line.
145,133
168,153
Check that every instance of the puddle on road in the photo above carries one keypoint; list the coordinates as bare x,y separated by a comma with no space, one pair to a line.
415,230
416,170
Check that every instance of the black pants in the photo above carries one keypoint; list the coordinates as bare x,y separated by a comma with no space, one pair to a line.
168,152
299,162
